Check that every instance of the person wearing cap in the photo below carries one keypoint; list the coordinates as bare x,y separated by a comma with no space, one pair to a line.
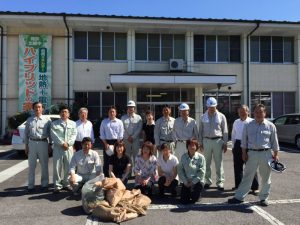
111,131
84,128
133,125
63,134
36,137
213,137
163,129
185,128
259,144
85,165
236,137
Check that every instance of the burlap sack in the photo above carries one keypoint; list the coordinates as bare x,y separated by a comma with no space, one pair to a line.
109,183
129,196
142,200
113,196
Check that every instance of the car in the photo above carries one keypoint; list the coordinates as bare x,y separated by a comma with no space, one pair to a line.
288,128
18,135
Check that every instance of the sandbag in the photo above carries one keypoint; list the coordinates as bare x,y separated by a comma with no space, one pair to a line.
113,196
109,183
142,200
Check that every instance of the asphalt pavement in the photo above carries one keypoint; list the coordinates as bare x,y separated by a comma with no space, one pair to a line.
18,207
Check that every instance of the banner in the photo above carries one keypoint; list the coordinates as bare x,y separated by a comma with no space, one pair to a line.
35,70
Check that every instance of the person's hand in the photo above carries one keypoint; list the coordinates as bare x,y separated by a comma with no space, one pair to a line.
72,179
244,156
106,146
65,146
201,148
275,157
188,184
26,150
224,148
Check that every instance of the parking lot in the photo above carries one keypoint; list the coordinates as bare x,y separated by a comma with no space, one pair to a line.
18,207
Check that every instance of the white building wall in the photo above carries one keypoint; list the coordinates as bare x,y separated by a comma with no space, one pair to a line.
94,76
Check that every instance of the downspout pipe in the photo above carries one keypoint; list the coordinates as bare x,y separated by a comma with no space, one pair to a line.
248,63
1,77
68,57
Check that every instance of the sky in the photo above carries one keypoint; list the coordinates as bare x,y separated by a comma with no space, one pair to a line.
279,10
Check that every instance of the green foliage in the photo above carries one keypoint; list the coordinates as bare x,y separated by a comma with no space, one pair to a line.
17,119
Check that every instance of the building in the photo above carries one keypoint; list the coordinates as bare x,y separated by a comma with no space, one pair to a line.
99,61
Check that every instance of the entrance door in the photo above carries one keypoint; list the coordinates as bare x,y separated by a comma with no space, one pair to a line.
157,109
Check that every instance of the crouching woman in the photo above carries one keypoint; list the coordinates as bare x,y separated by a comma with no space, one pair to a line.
145,169
191,171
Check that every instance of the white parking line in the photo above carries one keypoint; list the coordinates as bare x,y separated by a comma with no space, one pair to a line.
12,171
266,215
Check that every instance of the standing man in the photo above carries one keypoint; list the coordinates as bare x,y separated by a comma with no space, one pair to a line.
236,137
63,134
133,125
163,129
85,165
111,131
185,128
213,136
37,133
260,138
84,128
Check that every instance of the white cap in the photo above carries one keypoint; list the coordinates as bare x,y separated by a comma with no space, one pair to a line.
211,102
110,150
131,103
183,106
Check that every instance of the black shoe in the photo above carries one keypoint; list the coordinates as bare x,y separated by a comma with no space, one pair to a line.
264,202
254,192
56,191
220,189
30,190
44,189
174,193
234,201
206,186
68,188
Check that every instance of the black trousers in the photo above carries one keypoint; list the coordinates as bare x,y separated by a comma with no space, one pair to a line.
171,188
106,158
147,189
238,164
191,194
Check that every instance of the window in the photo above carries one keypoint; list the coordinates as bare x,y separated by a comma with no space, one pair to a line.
217,48
280,121
100,46
269,49
80,42
277,103
94,45
159,47
99,102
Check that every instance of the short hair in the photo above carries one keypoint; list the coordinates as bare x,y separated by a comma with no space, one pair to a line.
117,144
149,145
149,112
82,109
192,141
63,107
112,107
244,106
165,145
262,106
86,139
36,103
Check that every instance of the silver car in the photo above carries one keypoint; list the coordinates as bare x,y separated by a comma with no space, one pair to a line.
288,128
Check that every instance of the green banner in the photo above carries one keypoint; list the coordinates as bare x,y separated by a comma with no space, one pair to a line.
35,71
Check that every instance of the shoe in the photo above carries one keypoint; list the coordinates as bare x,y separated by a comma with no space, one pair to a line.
30,190
174,193
56,191
254,192
234,201
68,188
233,189
220,189
206,186
264,202
76,193
44,189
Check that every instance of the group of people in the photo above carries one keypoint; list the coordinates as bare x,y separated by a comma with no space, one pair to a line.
173,151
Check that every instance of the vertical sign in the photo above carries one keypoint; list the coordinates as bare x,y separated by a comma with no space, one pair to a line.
35,70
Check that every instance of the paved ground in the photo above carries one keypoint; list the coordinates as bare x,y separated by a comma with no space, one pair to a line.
17,207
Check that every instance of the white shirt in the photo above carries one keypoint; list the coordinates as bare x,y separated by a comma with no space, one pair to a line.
84,130
111,129
167,166
237,129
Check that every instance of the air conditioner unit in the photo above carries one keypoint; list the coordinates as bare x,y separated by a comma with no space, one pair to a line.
176,64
